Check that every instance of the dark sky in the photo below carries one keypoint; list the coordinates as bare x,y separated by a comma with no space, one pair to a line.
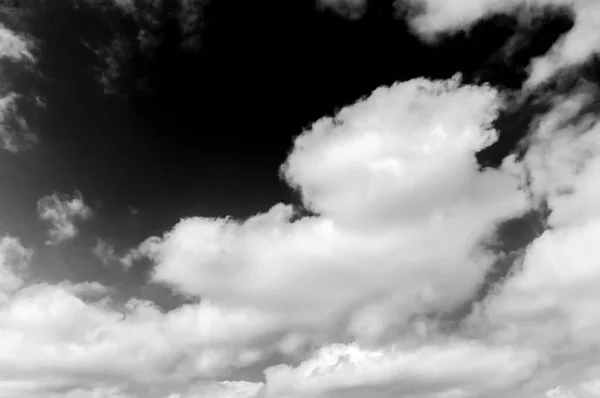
221,116
199,121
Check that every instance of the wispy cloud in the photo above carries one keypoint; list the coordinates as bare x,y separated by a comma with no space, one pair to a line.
105,252
126,47
14,260
15,133
62,211
351,9
14,46
430,18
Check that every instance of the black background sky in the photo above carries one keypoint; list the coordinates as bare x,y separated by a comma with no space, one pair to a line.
215,120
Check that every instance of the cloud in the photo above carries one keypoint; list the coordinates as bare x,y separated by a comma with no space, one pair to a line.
104,252
403,217
62,211
351,9
388,176
550,300
563,157
15,133
14,259
55,342
142,28
145,249
430,18
352,300
15,47
341,370
85,289
225,389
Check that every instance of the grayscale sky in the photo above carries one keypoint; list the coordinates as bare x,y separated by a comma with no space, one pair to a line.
299,199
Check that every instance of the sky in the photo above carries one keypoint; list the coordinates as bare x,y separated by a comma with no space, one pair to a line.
299,199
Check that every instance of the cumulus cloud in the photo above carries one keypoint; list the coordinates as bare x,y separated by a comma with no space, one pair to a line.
388,176
353,297
62,211
401,213
56,344
15,133
60,339
551,299
429,18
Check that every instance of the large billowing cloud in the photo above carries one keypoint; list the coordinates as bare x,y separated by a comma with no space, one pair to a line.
353,296
63,339
403,218
389,177
401,212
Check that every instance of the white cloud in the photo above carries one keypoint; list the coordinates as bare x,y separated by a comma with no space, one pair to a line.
14,46
224,389
401,209
145,249
433,17
15,134
563,159
14,259
71,340
550,302
62,211
105,252
461,368
85,289
389,176
52,340
351,295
